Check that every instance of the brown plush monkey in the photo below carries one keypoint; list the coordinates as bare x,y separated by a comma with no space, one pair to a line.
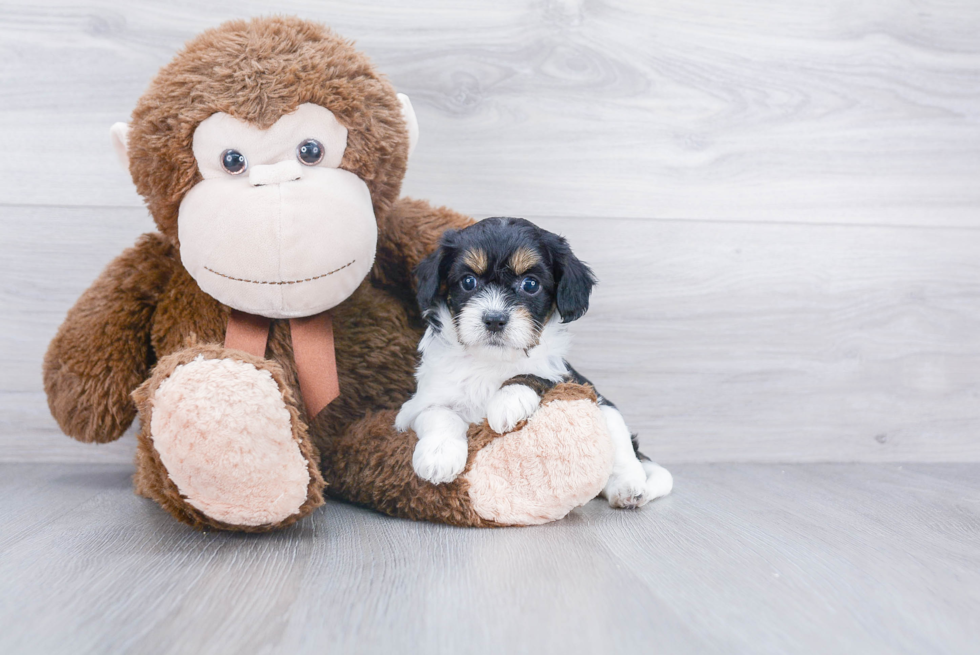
271,154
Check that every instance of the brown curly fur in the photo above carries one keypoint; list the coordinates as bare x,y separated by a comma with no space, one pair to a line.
102,350
406,235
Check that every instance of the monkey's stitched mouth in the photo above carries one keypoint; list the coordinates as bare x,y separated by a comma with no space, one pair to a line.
309,279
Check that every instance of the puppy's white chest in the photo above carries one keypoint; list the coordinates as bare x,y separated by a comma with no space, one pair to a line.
469,383
464,379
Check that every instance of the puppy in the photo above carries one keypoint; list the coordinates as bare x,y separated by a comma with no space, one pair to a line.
498,296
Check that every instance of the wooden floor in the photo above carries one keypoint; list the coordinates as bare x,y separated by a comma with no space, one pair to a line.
743,558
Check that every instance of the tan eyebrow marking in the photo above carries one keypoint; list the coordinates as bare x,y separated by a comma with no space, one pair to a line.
476,259
523,260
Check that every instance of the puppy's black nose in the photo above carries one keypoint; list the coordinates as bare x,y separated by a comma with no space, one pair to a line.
495,321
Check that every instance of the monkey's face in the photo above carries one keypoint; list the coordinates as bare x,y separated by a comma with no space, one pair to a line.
276,228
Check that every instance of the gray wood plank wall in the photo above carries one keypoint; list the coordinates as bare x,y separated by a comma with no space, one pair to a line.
782,201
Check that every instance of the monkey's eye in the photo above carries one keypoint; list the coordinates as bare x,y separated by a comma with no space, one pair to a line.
468,283
530,286
310,152
233,162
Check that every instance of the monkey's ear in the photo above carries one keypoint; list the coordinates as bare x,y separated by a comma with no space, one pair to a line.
408,113
119,136
575,280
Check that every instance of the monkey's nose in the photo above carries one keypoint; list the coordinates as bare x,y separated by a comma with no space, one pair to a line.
284,171
495,321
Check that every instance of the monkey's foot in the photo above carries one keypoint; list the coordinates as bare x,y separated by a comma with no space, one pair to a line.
559,460
221,442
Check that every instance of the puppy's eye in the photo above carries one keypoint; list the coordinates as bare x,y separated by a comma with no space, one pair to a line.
530,286
468,283
233,162
310,152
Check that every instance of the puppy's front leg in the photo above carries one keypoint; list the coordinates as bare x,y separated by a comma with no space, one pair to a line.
515,401
440,454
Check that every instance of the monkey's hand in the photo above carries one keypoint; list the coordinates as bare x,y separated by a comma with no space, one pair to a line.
102,351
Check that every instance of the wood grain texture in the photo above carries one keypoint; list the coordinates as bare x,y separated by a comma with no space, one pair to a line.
822,111
719,341
741,558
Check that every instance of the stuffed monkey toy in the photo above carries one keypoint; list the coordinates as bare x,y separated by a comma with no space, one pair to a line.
266,335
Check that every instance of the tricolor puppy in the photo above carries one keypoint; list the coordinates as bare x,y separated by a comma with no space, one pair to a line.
497,297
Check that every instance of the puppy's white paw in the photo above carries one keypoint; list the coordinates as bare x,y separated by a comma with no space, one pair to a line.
637,484
627,486
439,460
511,405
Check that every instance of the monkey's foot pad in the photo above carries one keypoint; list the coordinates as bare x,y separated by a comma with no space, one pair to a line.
558,461
230,441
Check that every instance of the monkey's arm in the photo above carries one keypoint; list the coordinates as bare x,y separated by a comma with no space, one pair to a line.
409,232
102,351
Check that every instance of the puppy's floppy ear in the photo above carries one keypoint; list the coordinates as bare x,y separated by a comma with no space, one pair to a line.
575,279
427,279
432,271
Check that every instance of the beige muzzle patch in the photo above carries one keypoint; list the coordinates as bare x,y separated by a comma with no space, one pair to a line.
284,171
282,250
